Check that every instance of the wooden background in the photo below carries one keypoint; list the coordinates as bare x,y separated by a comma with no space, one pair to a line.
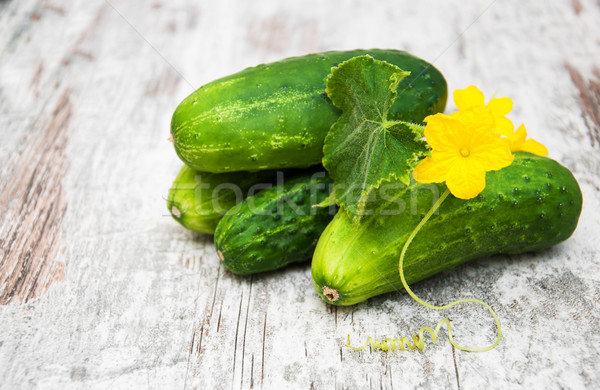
100,288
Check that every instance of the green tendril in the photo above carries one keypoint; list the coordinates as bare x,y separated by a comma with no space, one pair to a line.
419,339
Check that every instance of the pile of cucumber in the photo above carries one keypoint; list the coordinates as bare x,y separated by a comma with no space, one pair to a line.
252,147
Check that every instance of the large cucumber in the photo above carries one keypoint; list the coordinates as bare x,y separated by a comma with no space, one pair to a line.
277,115
528,206
198,200
275,227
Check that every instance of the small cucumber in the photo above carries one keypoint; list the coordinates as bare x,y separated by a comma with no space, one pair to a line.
277,115
528,206
275,227
198,200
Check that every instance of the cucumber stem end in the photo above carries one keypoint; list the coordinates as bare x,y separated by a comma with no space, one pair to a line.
330,293
175,211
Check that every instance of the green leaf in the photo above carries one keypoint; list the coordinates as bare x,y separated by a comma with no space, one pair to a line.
364,149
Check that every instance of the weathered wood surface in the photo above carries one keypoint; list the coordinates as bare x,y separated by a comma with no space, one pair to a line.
100,288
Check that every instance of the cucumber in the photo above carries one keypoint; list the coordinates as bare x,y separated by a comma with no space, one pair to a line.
275,227
277,115
528,206
198,200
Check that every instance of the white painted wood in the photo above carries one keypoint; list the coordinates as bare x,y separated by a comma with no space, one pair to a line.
145,304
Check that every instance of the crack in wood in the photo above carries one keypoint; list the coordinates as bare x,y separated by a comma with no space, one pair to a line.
252,373
199,348
37,76
207,317
237,328
245,328
219,319
212,305
455,366
193,340
198,293
262,372
32,206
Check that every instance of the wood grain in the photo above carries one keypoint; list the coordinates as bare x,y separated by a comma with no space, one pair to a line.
32,206
87,89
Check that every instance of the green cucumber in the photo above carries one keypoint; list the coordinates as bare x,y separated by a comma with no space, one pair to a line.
277,115
275,227
528,206
198,200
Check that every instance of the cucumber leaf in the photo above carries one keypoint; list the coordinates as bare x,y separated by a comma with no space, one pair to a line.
364,148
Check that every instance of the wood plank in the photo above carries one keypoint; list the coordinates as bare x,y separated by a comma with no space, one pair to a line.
86,94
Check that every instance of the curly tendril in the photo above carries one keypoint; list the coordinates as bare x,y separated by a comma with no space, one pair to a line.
419,339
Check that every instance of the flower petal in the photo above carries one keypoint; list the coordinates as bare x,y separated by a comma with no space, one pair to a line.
500,106
531,146
466,179
504,126
518,142
438,129
432,171
436,124
476,118
492,152
468,98
520,135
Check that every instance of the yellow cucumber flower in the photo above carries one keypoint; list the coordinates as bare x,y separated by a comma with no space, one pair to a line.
463,150
471,104
470,101
518,142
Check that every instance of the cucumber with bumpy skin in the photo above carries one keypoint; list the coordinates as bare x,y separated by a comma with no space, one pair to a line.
198,200
277,115
528,206
275,227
